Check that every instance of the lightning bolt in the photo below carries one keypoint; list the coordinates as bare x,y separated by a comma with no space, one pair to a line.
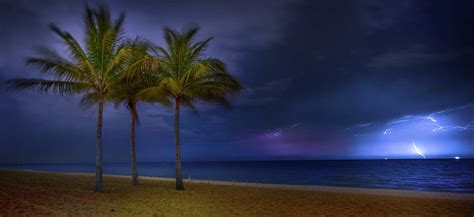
277,132
437,125
280,131
440,127
418,151
469,126
451,109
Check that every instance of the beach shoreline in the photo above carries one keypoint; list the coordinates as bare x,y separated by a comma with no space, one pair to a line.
57,194
317,188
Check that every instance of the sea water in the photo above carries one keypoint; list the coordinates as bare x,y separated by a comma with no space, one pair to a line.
447,175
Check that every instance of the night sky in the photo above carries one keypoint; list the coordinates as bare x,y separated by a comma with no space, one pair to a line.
323,80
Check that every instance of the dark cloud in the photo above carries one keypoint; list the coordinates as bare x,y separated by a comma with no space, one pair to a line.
326,65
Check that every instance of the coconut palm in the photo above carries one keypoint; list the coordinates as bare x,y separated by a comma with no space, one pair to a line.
189,76
133,80
90,70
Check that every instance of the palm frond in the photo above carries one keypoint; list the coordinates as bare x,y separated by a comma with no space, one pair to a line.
75,49
42,85
89,100
155,94
187,102
60,69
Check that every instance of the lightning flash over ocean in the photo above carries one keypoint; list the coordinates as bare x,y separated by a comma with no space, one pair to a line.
453,125
418,151
429,121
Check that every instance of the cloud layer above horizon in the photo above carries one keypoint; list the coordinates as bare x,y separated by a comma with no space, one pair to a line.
322,81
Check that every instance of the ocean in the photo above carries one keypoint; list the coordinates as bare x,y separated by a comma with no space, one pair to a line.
444,175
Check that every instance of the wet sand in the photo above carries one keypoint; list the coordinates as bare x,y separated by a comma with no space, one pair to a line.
56,194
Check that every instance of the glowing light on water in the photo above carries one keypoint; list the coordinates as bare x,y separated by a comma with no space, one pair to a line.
418,151
457,158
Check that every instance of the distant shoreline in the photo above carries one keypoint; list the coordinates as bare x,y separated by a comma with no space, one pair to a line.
316,188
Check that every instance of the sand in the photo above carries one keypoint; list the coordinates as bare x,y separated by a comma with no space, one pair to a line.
53,194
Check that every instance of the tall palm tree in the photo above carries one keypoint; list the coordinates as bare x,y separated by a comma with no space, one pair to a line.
90,70
187,76
134,79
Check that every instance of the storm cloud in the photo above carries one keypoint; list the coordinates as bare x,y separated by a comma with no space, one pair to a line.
326,66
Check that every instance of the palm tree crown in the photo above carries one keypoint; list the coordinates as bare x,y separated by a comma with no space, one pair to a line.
188,74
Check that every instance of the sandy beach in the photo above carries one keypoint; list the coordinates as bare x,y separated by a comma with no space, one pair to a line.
55,194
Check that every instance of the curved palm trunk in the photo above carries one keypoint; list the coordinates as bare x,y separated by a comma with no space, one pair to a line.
179,178
98,148
133,110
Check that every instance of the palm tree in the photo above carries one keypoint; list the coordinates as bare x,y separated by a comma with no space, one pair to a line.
187,76
135,78
90,70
